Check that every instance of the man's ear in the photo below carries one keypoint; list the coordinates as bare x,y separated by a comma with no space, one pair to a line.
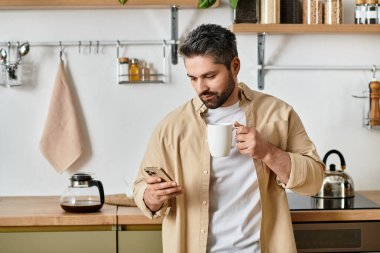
235,66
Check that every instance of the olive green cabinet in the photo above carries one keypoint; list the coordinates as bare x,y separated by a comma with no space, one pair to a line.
58,242
81,242
140,242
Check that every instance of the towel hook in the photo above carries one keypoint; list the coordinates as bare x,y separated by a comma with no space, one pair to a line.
79,45
90,46
97,47
60,50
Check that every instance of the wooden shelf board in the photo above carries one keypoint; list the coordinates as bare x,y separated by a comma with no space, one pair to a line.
77,4
301,28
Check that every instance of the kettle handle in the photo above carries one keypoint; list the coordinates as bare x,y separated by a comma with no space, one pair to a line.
334,151
100,188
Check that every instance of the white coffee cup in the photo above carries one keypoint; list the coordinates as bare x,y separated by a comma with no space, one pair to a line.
219,137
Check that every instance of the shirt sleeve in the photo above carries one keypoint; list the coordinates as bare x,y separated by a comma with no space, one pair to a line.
152,158
307,169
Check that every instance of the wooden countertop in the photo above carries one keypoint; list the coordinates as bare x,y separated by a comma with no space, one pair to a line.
46,211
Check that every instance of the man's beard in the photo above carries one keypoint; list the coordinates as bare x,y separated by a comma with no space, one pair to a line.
219,99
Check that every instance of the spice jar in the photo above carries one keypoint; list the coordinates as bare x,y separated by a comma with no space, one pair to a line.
312,12
144,71
290,12
123,69
333,12
134,70
360,12
371,9
270,12
246,11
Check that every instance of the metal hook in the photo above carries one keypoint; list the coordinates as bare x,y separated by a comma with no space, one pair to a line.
374,71
18,51
79,46
97,47
9,51
60,50
90,46
117,49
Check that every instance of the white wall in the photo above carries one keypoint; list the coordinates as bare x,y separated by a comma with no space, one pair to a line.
120,118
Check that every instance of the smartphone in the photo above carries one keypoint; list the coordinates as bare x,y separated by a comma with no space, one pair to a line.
158,172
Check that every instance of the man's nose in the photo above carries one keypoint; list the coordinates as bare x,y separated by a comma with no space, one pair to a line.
200,86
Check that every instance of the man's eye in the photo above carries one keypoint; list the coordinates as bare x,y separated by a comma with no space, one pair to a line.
210,76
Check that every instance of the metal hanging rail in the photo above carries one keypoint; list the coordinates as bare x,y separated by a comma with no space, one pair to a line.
174,42
261,66
318,67
92,43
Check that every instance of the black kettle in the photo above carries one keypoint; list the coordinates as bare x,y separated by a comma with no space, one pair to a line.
336,183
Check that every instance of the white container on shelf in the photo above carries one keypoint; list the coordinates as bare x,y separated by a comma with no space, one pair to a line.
123,69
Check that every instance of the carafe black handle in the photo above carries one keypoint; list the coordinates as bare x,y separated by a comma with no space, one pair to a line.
100,188
334,151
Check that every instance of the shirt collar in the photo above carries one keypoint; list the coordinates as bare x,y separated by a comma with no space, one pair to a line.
245,92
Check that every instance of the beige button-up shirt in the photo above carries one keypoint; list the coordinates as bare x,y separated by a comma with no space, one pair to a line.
179,145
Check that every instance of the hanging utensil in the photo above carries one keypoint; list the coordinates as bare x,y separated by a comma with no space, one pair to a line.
3,54
22,50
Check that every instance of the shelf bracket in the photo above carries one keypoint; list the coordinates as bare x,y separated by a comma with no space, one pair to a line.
174,26
260,60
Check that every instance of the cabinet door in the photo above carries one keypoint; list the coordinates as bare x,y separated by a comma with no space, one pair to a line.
140,242
58,242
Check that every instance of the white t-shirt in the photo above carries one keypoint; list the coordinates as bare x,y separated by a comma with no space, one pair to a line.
235,208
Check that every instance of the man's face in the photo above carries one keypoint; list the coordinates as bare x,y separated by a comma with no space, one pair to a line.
213,83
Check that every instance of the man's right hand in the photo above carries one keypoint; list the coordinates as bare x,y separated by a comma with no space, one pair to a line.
158,191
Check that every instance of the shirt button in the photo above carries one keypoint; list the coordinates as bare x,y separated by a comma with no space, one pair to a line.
205,171
204,202
203,231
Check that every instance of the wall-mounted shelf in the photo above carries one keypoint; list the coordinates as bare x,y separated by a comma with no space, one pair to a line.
35,4
301,28
263,29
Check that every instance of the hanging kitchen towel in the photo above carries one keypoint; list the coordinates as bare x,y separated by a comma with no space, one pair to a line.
62,142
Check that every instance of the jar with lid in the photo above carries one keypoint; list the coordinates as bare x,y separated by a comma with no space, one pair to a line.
134,70
360,12
333,12
371,9
123,69
270,12
312,11
290,12
246,11
145,72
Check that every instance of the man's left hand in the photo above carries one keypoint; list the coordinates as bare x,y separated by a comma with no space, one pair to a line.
250,142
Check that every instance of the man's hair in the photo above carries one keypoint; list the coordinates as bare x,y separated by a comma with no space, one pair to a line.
211,40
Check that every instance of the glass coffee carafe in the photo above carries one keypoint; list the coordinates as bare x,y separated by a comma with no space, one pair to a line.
83,195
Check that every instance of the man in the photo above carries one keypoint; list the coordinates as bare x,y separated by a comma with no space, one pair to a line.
226,204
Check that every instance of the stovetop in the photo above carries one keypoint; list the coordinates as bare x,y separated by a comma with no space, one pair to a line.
305,203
